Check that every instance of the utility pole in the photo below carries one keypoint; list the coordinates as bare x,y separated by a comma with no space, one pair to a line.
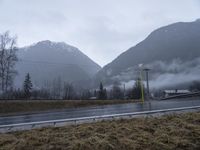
147,80
124,91
141,82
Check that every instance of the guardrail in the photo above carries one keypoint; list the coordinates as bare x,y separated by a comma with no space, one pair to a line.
182,96
91,119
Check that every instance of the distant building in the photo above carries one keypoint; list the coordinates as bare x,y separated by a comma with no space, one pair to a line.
168,93
93,98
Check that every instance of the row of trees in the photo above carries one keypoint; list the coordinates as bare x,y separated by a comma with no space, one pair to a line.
68,91
116,92
63,90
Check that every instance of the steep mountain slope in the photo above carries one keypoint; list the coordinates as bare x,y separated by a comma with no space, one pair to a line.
48,60
165,51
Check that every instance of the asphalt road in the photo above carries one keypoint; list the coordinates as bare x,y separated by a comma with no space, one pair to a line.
100,110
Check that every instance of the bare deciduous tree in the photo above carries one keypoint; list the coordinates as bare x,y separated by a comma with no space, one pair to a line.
69,92
8,59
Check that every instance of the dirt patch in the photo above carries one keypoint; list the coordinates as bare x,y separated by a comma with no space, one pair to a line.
153,133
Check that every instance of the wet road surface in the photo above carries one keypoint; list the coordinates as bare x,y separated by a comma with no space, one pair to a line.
100,110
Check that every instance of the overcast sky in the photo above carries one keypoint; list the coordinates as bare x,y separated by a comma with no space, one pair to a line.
102,29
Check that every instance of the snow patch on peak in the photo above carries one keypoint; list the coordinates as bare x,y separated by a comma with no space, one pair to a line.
60,46
65,46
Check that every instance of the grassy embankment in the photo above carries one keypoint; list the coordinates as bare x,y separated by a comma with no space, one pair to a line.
166,132
13,107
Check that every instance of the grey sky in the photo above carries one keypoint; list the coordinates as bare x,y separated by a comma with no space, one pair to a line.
102,29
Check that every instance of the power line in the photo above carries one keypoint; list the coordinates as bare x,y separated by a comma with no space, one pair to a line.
53,63
56,63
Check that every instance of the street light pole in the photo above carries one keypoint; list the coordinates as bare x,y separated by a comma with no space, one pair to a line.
147,80
141,82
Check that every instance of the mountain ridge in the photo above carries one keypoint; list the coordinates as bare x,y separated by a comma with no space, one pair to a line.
57,59
176,41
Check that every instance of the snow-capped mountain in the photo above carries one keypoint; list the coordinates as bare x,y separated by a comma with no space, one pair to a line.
48,60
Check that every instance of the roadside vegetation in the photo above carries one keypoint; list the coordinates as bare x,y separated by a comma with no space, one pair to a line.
179,132
31,106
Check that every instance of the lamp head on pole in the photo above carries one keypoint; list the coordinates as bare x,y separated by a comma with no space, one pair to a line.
146,69
140,65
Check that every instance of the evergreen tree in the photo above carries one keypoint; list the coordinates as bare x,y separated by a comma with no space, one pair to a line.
27,86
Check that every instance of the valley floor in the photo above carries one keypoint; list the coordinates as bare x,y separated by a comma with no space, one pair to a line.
13,107
180,131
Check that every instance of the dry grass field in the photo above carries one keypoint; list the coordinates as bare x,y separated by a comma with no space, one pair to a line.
13,107
168,132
